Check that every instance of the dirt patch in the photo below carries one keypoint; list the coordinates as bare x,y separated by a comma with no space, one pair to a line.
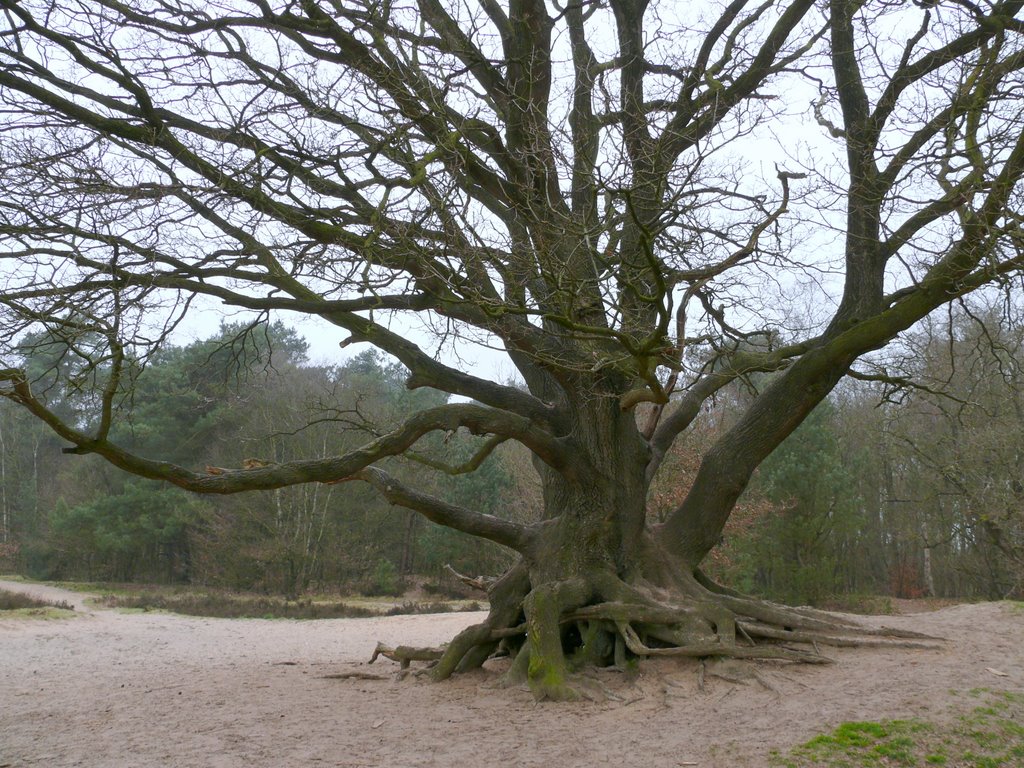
111,689
907,607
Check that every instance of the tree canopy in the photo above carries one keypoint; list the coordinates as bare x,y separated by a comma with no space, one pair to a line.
581,185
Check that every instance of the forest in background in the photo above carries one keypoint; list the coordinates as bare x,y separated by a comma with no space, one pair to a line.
903,487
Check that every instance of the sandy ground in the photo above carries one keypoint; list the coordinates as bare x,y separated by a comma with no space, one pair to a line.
107,689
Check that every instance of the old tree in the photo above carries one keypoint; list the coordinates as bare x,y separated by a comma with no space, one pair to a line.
583,185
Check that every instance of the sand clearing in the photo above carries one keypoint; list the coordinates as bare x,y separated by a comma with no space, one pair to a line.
109,689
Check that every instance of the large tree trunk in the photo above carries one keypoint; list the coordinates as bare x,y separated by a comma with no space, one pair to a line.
597,535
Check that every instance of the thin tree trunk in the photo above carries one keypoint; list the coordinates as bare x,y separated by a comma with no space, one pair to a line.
5,523
929,581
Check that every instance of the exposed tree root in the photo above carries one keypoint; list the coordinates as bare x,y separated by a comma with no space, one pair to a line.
559,628
864,638
703,650
404,654
353,676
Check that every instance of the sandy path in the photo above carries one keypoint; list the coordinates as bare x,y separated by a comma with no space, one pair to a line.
107,689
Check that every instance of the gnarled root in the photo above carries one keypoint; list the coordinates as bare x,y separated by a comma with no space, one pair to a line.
556,628
544,607
474,645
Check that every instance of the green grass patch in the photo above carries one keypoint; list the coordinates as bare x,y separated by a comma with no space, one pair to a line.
100,587
18,604
245,606
43,614
990,735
